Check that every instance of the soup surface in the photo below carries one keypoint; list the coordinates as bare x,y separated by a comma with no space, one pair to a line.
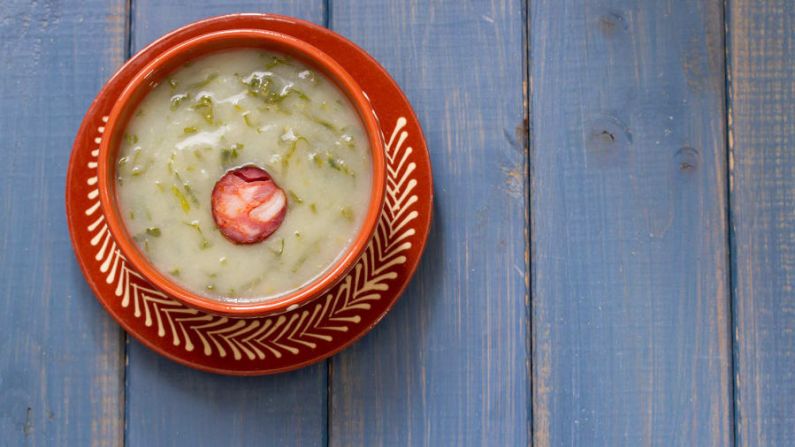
233,109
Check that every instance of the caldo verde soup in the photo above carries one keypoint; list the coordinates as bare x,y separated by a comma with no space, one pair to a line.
245,174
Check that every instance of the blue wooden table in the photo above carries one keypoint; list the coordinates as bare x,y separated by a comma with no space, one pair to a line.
612,260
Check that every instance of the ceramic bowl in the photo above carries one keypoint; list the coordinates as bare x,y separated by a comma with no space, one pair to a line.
156,71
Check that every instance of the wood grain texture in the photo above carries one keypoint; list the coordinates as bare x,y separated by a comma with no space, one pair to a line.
61,363
448,365
169,404
151,18
631,341
762,113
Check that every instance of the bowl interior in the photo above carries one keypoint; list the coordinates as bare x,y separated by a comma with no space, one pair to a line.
175,58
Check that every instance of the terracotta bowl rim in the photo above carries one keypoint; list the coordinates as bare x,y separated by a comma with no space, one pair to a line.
150,74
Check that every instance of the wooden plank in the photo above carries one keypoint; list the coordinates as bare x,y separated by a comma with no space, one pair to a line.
762,145
151,18
172,405
61,363
448,365
631,319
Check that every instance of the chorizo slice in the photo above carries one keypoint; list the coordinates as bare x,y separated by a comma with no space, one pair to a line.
247,205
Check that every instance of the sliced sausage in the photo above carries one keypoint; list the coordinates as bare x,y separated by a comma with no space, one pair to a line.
247,205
